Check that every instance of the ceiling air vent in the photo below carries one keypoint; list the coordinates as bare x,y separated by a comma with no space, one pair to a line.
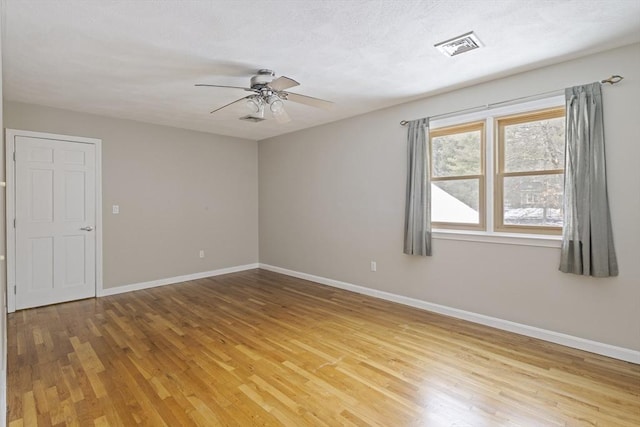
460,44
252,119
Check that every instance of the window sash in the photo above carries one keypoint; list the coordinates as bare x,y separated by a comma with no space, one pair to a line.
500,123
452,130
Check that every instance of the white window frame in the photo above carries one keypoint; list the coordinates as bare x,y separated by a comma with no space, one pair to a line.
490,235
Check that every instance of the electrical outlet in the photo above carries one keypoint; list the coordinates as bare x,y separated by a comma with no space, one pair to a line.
374,266
201,253
115,209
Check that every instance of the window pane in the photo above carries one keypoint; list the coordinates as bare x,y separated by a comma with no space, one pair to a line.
533,200
455,201
457,154
534,146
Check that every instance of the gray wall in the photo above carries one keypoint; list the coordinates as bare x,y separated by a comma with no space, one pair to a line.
332,200
179,191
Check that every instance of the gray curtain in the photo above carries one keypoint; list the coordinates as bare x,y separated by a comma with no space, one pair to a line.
417,223
587,241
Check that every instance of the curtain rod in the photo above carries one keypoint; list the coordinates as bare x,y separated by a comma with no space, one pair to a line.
611,80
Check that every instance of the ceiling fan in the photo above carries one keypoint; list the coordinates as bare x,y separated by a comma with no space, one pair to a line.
269,91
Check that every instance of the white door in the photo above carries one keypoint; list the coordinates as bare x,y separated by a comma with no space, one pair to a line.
55,212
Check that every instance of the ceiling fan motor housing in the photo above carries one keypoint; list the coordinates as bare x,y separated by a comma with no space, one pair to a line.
263,77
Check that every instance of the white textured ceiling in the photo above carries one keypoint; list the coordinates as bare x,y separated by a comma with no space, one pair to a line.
140,59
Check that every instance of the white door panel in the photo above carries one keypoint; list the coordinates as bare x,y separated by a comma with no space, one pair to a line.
55,208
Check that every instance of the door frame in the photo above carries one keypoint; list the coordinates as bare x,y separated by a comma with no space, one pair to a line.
10,139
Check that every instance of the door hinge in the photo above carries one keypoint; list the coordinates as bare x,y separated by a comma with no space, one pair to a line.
15,289
14,156
14,223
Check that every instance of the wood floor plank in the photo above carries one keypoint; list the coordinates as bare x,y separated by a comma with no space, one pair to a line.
260,348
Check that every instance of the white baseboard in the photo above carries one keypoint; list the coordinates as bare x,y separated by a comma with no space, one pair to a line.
620,353
174,280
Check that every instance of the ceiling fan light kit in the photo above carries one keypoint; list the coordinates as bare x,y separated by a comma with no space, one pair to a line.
254,105
275,103
270,91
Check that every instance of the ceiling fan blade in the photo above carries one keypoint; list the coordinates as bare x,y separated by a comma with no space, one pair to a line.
231,103
281,116
308,100
282,83
230,87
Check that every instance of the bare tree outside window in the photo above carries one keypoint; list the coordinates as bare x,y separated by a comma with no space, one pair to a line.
530,171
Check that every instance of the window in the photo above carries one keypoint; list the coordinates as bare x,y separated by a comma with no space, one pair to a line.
499,171
457,176
530,172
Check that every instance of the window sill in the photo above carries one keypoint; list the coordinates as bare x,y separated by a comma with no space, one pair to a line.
541,240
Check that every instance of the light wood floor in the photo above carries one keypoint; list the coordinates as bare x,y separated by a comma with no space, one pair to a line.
259,348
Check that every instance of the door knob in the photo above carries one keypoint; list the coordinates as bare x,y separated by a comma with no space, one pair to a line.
87,228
